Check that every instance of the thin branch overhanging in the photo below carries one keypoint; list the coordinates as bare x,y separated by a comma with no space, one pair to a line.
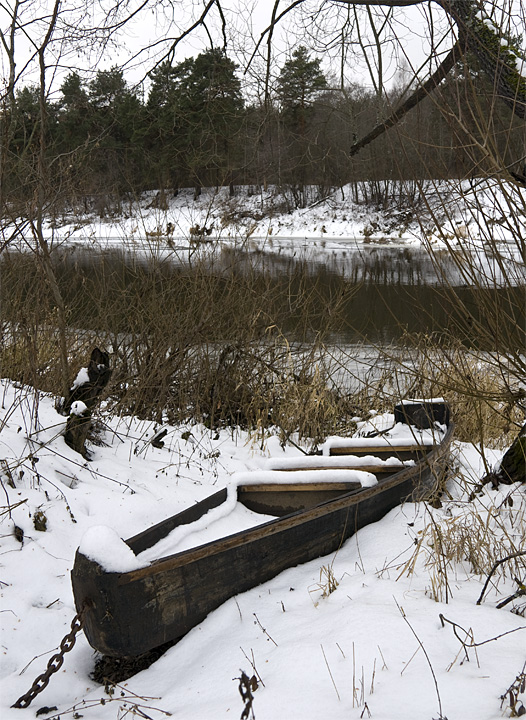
423,90
509,83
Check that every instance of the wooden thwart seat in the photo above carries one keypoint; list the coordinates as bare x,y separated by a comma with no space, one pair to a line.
299,487
401,452
368,462
373,468
292,483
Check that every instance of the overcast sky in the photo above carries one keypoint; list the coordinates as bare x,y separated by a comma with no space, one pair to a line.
246,22
333,36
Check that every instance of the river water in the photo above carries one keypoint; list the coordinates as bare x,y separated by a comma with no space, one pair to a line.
406,290
380,293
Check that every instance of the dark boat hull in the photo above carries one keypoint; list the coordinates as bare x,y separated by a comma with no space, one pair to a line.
130,613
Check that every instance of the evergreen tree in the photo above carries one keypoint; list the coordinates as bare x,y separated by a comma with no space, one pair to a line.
213,103
108,88
299,82
115,126
74,113
74,94
165,128
20,164
196,109
27,118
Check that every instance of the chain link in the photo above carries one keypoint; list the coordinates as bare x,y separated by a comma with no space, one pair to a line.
54,664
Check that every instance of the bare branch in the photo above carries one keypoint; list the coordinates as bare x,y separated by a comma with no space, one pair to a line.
474,644
431,83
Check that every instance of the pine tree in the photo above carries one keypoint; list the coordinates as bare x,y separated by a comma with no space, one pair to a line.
115,126
299,84
300,81
74,113
195,110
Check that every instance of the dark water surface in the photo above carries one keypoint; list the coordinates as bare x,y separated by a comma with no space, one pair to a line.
371,294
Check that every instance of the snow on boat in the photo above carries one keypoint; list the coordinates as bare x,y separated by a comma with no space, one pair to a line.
302,508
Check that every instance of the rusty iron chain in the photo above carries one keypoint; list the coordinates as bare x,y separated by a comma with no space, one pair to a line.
54,664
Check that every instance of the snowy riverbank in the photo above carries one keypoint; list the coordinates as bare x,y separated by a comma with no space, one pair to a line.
374,647
432,213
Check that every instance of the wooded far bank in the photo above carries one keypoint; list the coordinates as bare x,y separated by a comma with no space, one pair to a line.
104,140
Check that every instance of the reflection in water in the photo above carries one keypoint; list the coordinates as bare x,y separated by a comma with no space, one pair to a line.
381,264
369,294
355,261
400,291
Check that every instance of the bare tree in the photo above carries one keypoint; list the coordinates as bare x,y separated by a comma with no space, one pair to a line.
479,43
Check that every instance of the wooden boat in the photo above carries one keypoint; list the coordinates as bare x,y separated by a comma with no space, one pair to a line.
130,613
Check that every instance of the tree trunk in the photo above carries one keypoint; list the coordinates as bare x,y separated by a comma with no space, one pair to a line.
513,464
82,399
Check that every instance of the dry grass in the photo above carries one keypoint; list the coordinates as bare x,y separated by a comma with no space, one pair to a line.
225,346
29,352
485,400
327,584
470,537
486,397
233,345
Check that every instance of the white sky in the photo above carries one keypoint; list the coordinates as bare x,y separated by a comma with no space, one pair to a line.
246,23
157,25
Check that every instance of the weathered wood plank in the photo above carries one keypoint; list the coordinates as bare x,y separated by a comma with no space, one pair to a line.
402,452
374,469
298,487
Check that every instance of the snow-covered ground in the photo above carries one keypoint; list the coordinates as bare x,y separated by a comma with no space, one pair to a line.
374,647
430,214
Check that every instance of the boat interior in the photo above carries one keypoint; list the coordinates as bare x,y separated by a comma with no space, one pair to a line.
282,497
